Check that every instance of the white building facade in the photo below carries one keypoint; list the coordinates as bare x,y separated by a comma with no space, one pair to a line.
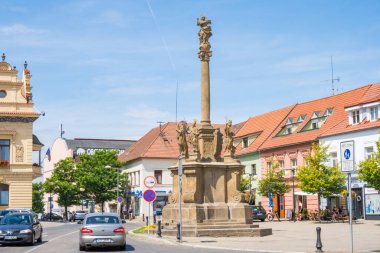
137,171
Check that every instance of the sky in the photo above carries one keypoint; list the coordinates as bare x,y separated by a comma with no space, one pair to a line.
109,69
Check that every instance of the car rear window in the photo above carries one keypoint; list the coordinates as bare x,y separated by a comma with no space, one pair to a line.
102,220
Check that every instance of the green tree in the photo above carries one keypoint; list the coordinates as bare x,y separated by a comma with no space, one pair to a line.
244,183
37,198
273,182
63,183
370,169
317,177
97,174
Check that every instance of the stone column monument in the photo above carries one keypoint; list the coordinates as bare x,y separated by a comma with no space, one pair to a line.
211,198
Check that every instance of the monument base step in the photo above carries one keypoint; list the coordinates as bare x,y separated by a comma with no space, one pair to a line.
215,232
222,229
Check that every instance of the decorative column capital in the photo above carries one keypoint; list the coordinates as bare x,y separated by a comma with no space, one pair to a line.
204,34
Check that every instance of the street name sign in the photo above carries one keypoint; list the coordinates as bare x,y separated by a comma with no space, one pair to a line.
149,195
150,182
347,156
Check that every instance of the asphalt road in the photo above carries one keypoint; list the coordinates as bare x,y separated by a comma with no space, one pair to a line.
64,239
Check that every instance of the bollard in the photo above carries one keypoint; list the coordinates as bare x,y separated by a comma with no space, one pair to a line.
147,221
319,242
178,232
154,219
159,228
143,217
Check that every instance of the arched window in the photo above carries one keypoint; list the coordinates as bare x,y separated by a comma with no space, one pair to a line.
4,195
3,93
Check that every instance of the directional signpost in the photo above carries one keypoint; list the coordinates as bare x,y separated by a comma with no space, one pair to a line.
348,165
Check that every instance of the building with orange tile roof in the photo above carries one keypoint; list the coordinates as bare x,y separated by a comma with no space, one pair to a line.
289,137
361,125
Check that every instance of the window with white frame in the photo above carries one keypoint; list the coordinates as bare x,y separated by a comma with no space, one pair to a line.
294,164
245,142
368,152
334,159
282,164
355,117
314,124
253,169
374,112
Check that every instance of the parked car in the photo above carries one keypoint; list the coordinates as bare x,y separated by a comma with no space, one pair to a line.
79,215
3,213
102,230
258,213
54,217
20,228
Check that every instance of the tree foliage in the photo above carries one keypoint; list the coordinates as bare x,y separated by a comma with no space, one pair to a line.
100,182
63,183
244,183
317,177
37,198
370,169
273,182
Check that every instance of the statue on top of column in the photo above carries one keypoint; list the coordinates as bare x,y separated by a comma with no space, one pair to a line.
204,35
181,137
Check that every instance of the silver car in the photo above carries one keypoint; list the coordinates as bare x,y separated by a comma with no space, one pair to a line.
102,230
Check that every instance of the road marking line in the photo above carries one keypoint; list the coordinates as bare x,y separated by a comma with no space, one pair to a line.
37,247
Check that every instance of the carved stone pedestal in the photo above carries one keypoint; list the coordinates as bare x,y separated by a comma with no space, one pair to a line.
211,200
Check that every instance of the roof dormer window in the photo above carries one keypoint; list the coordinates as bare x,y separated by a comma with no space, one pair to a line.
301,118
328,111
289,121
245,142
355,117
315,115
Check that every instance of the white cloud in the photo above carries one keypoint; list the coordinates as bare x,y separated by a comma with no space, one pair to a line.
144,112
18,29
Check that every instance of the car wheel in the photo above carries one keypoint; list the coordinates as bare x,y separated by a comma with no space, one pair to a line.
39,240
81,248
123,247
32,241
262,220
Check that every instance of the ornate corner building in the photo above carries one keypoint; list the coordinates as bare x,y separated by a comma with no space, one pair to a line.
17,141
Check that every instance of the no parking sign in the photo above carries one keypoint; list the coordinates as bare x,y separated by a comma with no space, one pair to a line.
149,195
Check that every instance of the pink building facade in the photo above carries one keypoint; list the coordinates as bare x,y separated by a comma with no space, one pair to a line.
288,158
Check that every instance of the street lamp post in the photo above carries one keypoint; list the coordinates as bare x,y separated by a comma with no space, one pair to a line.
294,195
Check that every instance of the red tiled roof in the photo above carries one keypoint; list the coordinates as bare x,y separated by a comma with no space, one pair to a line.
344,127
337,102
263,125
157,144
372,95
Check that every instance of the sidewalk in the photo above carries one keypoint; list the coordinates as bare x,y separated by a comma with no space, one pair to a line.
297,237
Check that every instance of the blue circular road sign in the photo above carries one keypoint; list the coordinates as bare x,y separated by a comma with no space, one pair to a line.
149,195
347,154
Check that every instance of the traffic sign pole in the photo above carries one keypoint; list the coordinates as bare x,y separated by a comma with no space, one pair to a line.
350,212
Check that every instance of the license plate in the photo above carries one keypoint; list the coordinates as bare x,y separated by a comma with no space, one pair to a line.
10,237
103,240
